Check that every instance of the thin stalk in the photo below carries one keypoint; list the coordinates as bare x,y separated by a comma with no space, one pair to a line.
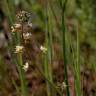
64,55
48,58
15,85
64,51
47,75
20,68
46,68
20,64
50,54
11,7
49,46
55,17
8,11
50,49
46,61
22,75
77,67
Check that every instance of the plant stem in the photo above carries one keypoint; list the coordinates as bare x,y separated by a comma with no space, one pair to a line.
46,57
64,52
77,67
49,36
22,75
47,75
64,55
10,15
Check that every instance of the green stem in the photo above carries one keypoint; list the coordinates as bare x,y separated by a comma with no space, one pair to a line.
8,11
20,67
64,54
47,75
48,58
77,67
49,45
22,75
65,60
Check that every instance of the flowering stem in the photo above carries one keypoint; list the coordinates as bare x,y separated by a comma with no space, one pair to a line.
22,75
20,68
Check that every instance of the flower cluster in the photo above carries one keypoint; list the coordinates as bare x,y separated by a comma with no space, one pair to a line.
23,16
16,27
27,36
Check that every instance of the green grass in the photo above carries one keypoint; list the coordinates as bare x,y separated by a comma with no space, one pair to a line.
51,16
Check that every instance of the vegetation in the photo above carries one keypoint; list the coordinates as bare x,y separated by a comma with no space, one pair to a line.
47,48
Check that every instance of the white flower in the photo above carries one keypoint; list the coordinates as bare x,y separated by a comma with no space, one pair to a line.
63,86
43,49
26,66
19,49
27,35
13,29
17,25
30,24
